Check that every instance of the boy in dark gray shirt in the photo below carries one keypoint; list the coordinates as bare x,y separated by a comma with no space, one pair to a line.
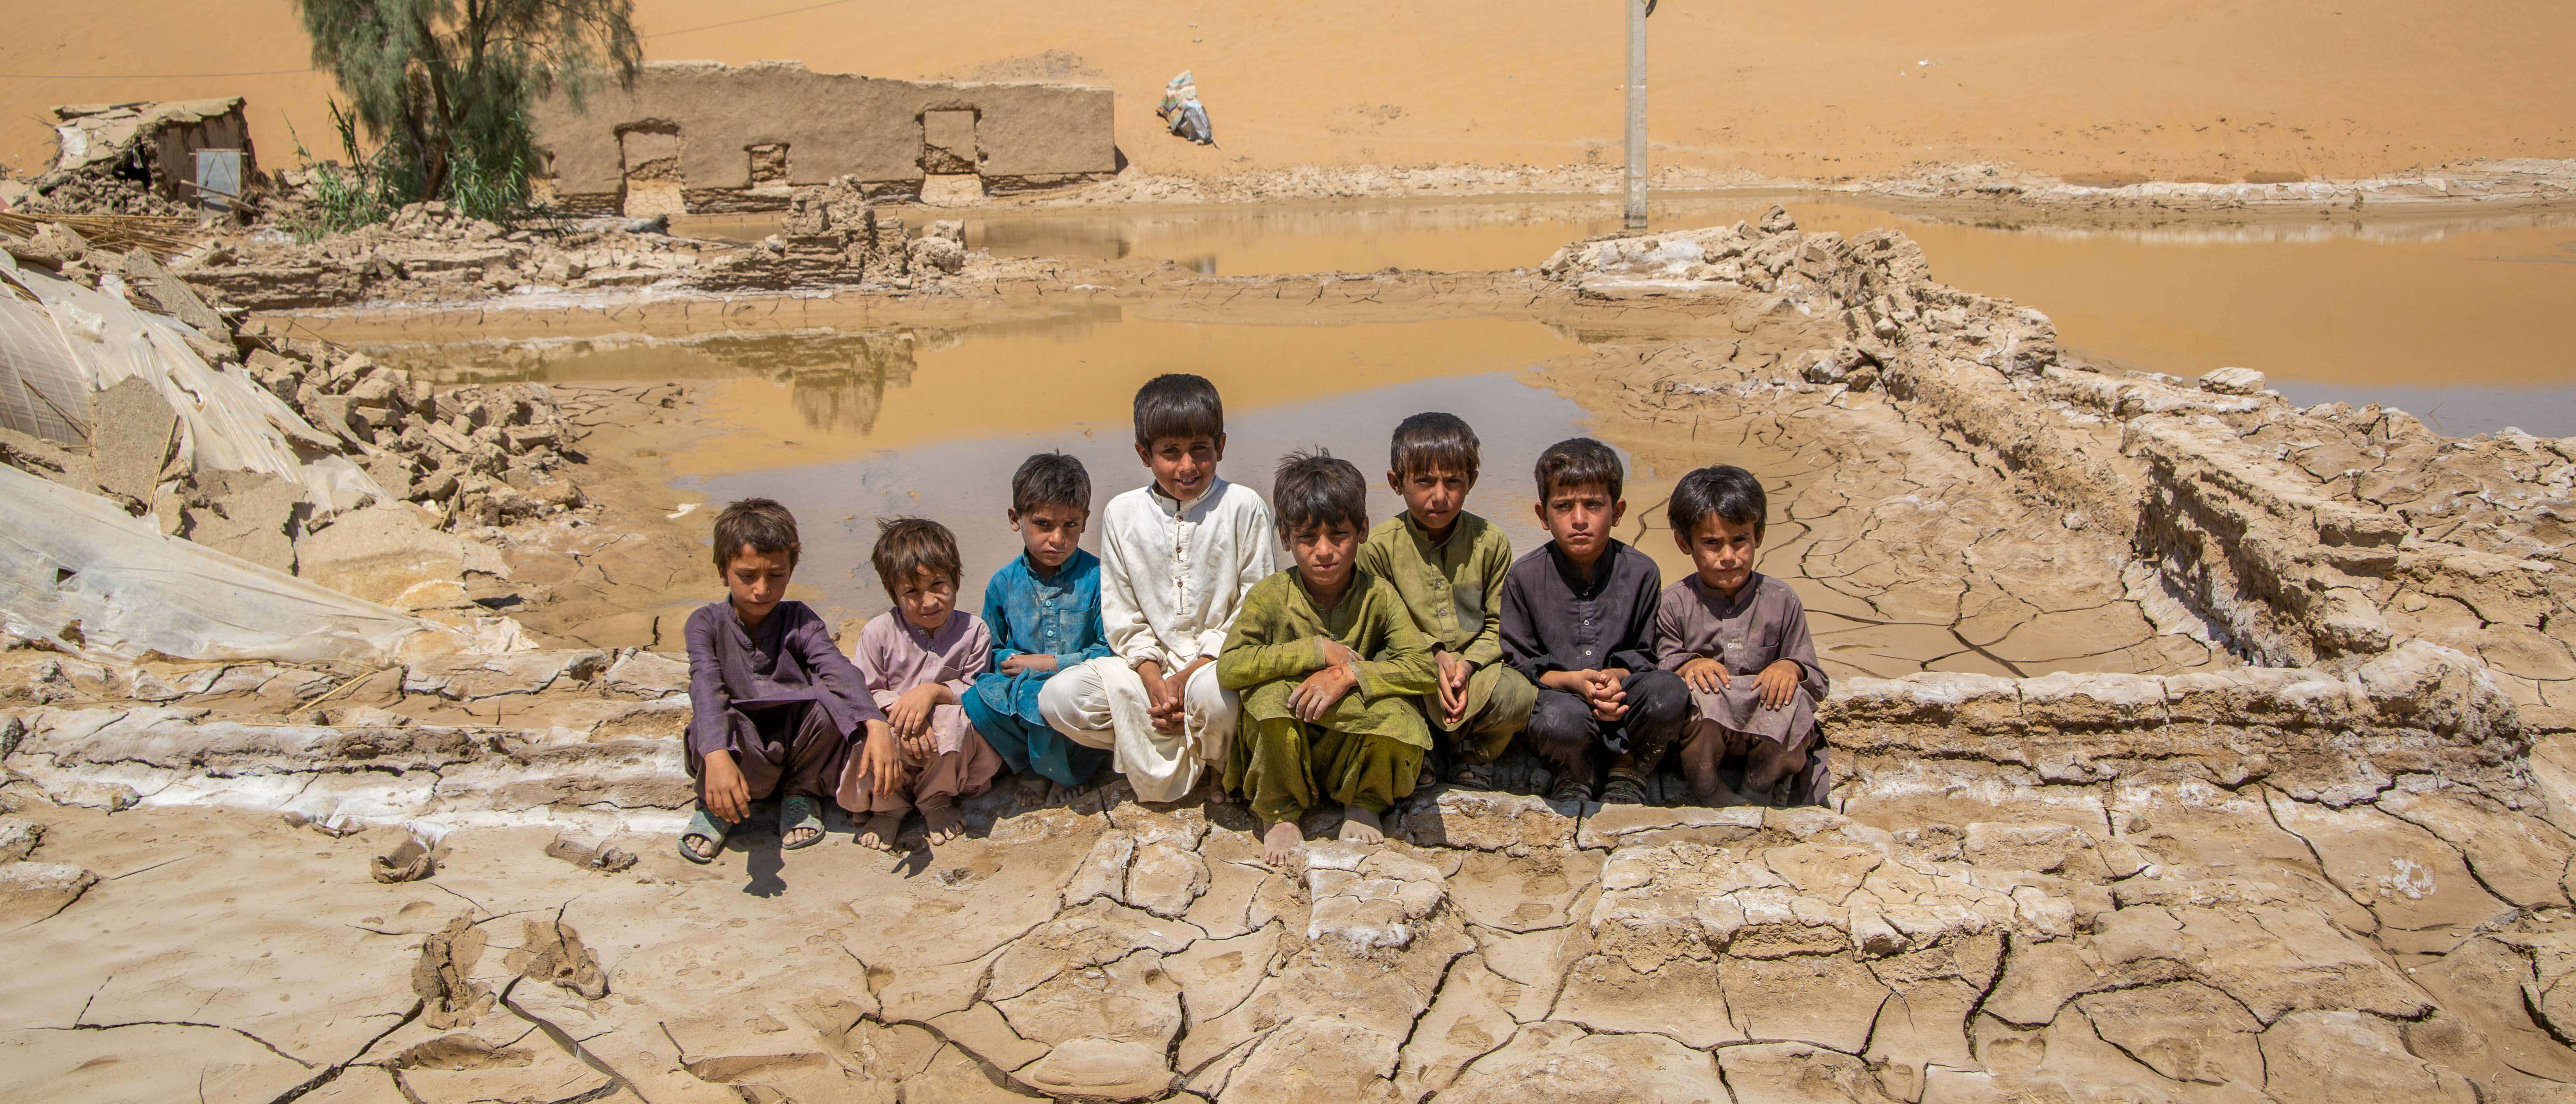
1578,620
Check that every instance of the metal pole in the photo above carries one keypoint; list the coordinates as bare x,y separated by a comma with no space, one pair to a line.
1637,112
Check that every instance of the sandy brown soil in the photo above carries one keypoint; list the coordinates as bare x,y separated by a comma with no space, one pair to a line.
2167,90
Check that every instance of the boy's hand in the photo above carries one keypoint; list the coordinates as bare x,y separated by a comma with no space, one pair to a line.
878,757
1778,683
1705,675
1316,696
1162,697
1453,686
910,714
728,796
1608,692
1027,662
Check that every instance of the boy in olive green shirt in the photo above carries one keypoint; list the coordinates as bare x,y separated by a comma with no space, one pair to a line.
1304,641
1448,565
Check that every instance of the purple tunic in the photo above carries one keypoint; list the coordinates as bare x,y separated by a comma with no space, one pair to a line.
789,660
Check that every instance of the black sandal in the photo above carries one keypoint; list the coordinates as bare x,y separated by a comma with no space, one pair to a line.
1570,788
1470,775
1623,789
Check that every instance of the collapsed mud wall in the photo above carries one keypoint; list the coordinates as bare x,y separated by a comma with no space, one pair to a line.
2302,537
591,721
704,136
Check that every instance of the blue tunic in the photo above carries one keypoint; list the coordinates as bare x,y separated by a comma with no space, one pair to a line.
1058,615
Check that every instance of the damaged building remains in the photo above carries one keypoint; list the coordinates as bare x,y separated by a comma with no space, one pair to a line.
701,137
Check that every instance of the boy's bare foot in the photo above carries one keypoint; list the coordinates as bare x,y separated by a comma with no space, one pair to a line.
1279,844
1361,826
880,831
1700,757
944,822
1036,793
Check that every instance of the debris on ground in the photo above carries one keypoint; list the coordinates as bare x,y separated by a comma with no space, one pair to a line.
1182,113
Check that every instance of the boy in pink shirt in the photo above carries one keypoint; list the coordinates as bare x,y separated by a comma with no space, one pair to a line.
918,660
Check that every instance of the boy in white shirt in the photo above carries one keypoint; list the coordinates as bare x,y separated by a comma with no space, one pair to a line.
1177,557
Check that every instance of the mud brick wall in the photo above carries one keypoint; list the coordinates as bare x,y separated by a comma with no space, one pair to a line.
831,125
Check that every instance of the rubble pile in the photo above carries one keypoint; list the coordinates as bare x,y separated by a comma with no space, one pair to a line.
376,469
429,253
831,236
130,158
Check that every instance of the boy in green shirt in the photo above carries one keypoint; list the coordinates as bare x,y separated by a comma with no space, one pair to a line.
1448,565
1305,639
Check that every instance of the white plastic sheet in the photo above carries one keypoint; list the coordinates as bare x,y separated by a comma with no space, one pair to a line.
227,420
78,572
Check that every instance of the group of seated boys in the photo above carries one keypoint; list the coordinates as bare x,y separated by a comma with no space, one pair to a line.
1183,652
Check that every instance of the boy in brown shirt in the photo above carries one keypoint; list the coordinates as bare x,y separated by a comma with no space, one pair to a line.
1739,638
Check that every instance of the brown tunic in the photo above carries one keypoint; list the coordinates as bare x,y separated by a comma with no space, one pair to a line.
1763,624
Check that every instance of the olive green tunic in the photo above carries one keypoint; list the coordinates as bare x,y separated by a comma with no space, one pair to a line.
1368,748
1454,590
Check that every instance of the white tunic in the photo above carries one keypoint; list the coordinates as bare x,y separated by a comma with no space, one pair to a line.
1173,575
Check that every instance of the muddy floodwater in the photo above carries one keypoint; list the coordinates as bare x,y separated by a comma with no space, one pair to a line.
2459,319
845,428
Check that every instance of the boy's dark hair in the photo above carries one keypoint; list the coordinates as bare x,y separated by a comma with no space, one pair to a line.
760,523
1050,479
1722,490
1429,442
907,546
1578,462
1178,405
1314,488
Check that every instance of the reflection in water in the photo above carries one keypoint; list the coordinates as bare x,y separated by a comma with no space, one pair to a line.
836,383
813,396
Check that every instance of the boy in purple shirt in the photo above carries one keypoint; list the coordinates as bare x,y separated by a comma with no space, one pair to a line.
773,704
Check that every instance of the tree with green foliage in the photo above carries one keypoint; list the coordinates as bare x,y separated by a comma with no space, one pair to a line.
445,86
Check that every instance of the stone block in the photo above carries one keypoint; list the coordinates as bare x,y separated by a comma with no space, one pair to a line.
2233,381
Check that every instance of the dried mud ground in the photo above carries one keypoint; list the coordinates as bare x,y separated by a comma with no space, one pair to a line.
2186,943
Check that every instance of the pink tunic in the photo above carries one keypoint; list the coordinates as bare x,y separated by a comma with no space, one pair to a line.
894,657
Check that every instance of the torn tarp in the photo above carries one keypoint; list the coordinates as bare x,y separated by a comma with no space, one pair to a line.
60,342
78,574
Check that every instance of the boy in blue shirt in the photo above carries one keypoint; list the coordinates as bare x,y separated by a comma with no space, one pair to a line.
1044,612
